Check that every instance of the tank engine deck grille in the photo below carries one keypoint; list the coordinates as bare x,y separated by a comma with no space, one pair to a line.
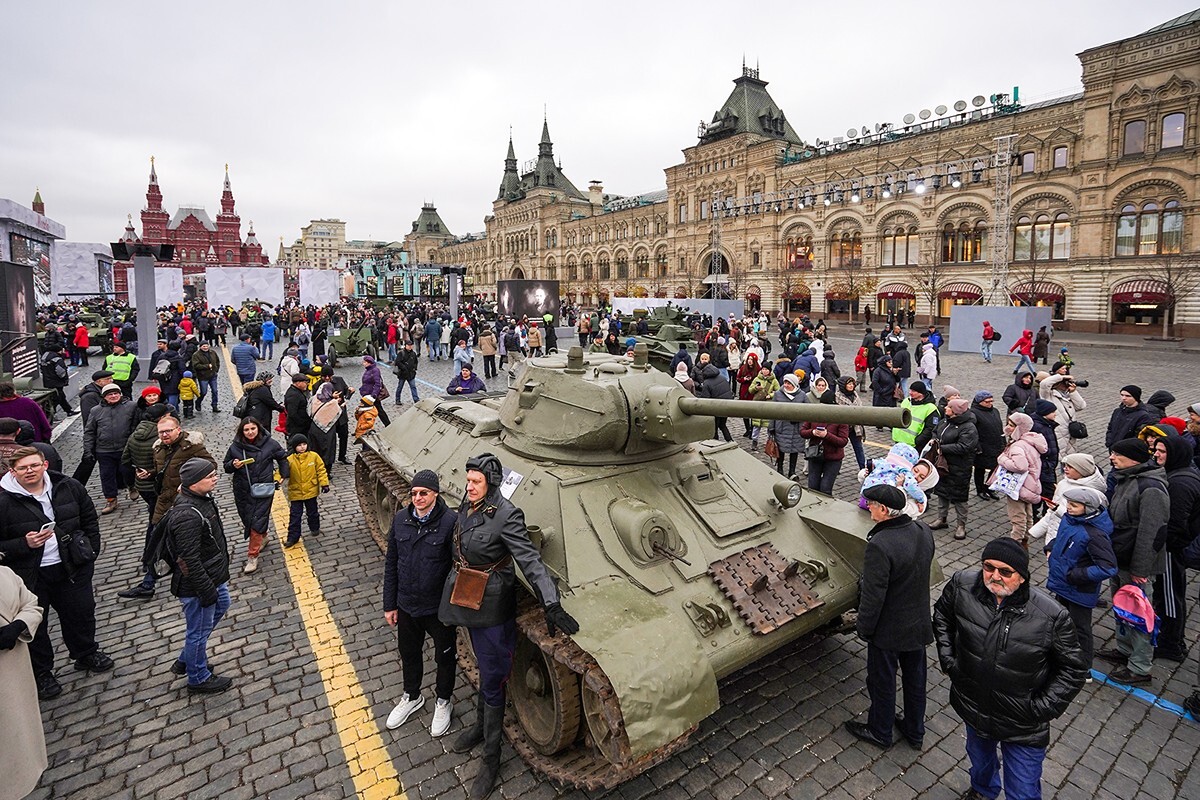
766,589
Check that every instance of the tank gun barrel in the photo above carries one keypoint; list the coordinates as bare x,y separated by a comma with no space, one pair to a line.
796,412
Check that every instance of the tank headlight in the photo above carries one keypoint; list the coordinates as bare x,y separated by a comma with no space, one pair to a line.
787,493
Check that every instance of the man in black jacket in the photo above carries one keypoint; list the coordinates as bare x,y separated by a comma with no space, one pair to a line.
1129,417
295,405
990,427
1014,663
405,369
893,617
1170,586
50,535
205,364
419,552
196,542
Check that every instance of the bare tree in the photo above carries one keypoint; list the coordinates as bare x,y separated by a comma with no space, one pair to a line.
1180,275
931,277
848,281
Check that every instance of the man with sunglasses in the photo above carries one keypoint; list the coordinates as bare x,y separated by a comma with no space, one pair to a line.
1014,663
419,552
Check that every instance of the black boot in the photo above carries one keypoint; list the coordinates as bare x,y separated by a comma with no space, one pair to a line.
489,770
473,735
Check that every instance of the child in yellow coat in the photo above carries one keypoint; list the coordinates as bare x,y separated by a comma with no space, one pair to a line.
308,479
365,416
189,390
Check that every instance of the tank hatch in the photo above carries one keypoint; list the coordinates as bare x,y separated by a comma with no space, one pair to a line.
767,590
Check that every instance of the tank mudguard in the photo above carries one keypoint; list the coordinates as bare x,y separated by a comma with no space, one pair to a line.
664,681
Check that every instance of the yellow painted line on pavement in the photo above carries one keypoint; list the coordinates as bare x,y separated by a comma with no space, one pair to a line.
371,768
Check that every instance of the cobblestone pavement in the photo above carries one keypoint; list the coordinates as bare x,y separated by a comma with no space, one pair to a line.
316,673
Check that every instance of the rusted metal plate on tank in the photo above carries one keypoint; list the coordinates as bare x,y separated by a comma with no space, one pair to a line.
765,588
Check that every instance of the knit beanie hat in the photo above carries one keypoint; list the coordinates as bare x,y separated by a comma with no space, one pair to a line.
112,387
156,411
149,390
426,479
1178,423
1045,407
982,394
1132,448
949,392
295,439
1082,463
193,470
1008,551
1134,391
958,405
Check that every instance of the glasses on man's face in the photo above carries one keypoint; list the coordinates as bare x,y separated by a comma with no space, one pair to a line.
28,468
1003,572
420,492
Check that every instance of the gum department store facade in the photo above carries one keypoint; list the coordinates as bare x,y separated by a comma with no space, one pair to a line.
1104,189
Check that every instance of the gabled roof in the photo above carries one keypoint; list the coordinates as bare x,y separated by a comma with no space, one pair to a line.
1178,22
749,109
183,212
430,222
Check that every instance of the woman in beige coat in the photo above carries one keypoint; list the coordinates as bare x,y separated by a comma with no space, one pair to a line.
23,757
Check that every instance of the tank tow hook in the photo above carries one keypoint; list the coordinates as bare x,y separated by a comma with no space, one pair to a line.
707,617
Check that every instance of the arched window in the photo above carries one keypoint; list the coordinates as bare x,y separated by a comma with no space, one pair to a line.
587,268
1042,237
229,256
799,252
1135,138
1172,131
641,263
847,251
963,244
1151,230
622,266
900,247
605,269
661,261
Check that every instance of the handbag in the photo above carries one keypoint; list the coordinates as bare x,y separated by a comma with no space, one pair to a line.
470,583
937,457
772,448
259,491
1077,429
77,549
814,450
384,394
1007,483
897,392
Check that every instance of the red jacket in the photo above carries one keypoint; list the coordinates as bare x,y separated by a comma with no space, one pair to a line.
988,331
837,436
1024,344
860,360
81,337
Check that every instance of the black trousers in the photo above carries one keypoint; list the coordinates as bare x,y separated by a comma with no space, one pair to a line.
410,638
1170,604
881,686
343,435
982,468
75,605
792,459
1082,617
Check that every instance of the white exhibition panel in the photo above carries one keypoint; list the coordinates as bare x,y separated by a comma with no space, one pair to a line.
231,286
319,287
168,285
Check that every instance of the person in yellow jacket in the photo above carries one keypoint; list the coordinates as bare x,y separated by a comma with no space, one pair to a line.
365,416
189,390
306,480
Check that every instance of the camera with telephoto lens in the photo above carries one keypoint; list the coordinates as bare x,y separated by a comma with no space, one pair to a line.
1079,383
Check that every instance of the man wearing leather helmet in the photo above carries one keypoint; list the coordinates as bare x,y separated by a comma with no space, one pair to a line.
480,595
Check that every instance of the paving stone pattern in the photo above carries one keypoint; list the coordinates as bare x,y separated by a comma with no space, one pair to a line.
137,733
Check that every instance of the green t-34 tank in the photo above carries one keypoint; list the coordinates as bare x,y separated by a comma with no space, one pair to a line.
683,558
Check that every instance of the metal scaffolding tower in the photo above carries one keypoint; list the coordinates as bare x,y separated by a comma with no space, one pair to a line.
714,270
1002,220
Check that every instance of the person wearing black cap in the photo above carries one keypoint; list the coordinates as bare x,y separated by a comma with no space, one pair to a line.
1045,422
196,539
1129,417
1140,509
893,617
419,552
306,479
1014,664
489,537
295,406
89,395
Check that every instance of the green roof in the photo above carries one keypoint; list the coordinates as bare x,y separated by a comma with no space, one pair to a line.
430,222
1178,22
749,109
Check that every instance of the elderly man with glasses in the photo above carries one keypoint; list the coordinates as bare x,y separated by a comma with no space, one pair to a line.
1014,663
419,552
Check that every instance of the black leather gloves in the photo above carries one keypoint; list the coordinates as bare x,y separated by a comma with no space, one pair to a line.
325,489
209,600
12,631
557,619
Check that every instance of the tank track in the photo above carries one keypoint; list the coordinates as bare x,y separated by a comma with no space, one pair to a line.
581,764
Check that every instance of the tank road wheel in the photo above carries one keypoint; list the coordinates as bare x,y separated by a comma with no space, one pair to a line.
381,493
545,696
604,737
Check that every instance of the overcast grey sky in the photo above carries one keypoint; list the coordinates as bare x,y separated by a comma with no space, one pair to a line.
363,110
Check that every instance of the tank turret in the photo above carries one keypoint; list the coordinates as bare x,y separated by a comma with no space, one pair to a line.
602,409
684,558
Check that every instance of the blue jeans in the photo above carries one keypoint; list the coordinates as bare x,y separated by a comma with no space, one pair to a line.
268,349
904,386
443,350
1022,768
391,352
1024,362
173,399
206,386
200,623
412,387
432,349
859,455
245,377
985,348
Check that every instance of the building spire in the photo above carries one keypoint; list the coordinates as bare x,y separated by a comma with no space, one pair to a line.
38,206
153,174
510,184
227,186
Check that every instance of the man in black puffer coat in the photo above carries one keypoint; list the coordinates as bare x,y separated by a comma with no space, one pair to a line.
1014,663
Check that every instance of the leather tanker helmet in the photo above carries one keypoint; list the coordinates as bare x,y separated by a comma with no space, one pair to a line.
490,466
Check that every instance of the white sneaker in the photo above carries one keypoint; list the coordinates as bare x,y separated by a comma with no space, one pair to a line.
403,710
251,565
441,717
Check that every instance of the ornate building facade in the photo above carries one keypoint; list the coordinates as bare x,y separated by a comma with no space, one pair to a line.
199,241
1096,199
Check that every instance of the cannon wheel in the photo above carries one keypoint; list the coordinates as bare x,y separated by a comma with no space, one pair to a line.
577,688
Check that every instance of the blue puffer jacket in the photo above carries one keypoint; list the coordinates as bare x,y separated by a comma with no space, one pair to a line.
244,356
1081,557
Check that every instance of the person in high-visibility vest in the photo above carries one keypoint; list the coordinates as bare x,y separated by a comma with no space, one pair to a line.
124,368
924,417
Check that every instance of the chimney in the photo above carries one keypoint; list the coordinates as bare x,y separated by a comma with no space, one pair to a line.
596,193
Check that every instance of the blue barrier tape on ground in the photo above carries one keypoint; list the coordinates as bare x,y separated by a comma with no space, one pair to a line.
1143,695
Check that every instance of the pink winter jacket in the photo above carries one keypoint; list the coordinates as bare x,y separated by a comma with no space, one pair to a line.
1024,454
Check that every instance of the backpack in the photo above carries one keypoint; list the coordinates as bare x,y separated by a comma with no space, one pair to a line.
162,370
1132,609
995,336
512,341
303,339
242,407
158,558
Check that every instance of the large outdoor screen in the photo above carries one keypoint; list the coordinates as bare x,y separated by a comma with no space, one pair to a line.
33,253
533,299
